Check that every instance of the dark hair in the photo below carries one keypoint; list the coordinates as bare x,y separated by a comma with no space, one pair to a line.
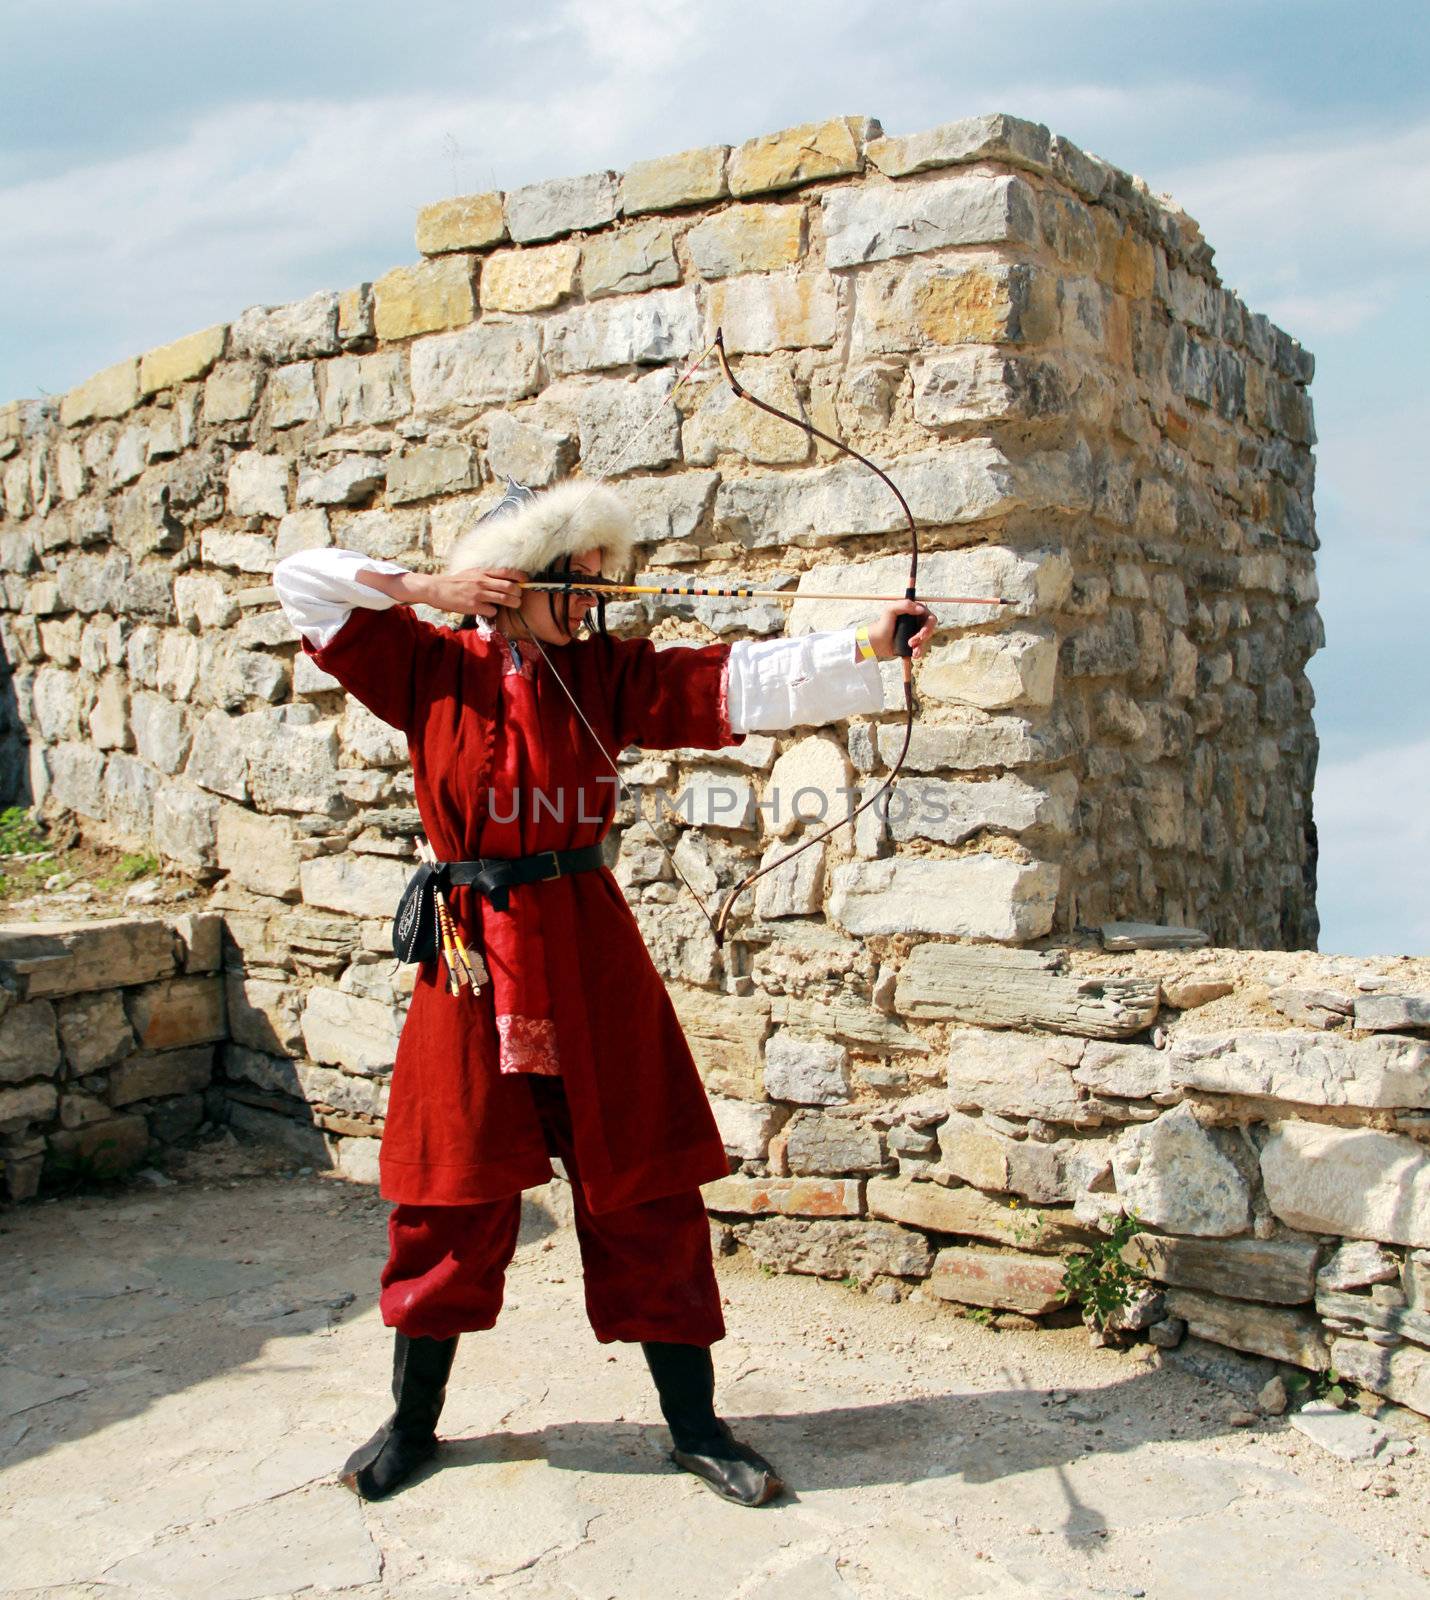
561,568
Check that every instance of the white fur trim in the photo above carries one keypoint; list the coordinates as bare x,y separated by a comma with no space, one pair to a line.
562,521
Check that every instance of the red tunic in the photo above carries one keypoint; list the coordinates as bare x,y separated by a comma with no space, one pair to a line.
459,1130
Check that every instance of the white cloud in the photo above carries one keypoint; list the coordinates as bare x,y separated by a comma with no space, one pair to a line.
1291,219
1373,822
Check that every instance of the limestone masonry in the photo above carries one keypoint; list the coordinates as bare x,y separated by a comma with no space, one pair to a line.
907,1031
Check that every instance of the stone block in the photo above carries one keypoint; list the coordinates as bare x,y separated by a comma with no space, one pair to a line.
726,1034
264,1015
1150,936
302,530
995,137
721,421
429,470
200,937
533,455
294,767
430,297
968,1211
218,759
343,1030
487,364
975,383
231,392
292,395
176,1119
1007,1280
993,671
530,280
805,154
807,1071
774,311
1021,989
161,731
355,314
295,1134
348,481
627,330
1355,1181
104,1148
182,361
357,1160
31,1102
819,1142
59,958
1281,1271
951,810
464,222
792,886
1307,1066
29,1047
296,332
178,1012
1132,1071
938,306
1402,1375
876,223
149,1077
1013,1074
1179,1177
829,1248
257,485
360,390
632,259
1392,1013
107,394
746,1126
94,1029
626,425
963,483
784,1197
750,238
561,205
76,774
363,886
1281,1335
969,897
692,178
368,741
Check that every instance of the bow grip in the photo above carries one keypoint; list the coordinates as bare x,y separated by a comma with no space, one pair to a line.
906,625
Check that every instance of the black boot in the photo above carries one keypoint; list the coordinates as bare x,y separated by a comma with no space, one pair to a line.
685,1381
408,1439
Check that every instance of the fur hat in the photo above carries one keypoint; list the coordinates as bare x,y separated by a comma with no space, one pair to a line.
530,531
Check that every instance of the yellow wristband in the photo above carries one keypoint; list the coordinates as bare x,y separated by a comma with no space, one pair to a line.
861,638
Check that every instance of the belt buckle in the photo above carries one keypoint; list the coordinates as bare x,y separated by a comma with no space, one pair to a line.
555,862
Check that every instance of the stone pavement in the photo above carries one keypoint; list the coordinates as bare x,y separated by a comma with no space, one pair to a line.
184,1366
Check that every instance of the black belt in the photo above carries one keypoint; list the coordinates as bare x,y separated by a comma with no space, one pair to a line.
415,934
493,876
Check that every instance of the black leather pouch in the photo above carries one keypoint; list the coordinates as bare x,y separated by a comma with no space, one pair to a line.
414,927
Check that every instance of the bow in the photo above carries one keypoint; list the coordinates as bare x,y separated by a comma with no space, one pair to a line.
904,629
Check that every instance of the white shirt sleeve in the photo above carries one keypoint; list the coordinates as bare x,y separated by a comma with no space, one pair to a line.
319,590
783,683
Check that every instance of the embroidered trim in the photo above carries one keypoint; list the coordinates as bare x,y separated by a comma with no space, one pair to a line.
722,715
528,1044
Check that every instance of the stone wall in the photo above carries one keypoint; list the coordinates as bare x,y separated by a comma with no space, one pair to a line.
1083,418
108,1037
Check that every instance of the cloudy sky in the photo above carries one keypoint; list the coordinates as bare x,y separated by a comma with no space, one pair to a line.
163,165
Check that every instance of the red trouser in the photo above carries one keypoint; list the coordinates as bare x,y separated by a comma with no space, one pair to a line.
648,1268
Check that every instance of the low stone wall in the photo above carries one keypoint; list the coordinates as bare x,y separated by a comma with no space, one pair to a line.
108,1036
1264,1117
